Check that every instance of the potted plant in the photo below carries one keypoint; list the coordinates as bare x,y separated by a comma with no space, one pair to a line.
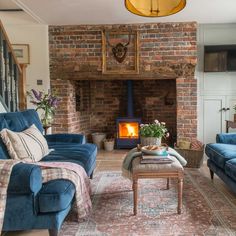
152,134
44,101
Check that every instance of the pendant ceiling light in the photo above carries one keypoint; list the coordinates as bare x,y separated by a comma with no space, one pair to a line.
155,8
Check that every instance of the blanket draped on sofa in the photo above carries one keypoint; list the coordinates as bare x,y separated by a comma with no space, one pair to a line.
5,174
51,171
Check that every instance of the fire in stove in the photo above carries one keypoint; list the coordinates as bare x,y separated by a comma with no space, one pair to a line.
128,130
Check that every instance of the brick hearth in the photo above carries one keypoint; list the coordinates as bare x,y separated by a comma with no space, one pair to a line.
167,65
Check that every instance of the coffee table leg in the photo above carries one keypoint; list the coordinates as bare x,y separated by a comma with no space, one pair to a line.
135,189
180,194
168,183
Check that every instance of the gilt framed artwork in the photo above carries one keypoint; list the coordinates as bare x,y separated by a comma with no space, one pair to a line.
120,52
22,53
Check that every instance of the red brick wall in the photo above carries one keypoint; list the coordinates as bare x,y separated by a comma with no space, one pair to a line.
67,119
186,89
108,99
167,51
156,99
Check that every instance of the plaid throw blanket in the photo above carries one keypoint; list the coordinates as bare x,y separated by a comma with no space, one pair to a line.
51,171
5,174
77,175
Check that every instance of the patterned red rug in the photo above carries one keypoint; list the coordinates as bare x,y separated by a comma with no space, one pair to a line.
206,210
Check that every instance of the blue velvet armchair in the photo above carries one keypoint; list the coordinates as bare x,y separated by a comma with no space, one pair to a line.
222,158
32,204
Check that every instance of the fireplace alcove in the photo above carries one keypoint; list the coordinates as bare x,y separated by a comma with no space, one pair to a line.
100,103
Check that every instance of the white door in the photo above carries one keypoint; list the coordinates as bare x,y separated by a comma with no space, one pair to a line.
214,111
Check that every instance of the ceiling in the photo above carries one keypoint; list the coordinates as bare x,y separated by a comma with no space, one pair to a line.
8,5
69,12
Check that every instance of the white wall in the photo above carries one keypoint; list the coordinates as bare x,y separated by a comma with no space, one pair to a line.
22,29
214,83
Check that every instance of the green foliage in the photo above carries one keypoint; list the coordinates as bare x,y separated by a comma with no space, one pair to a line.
156,129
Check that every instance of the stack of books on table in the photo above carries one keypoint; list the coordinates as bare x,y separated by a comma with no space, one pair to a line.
155,159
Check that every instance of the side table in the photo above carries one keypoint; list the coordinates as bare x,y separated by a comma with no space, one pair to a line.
230,124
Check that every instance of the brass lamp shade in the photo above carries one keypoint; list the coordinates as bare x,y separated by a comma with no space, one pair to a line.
154,8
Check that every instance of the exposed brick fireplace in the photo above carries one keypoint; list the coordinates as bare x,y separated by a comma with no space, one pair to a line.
165,88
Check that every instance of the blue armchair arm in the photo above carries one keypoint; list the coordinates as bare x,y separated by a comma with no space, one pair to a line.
66,138
227,138
25,178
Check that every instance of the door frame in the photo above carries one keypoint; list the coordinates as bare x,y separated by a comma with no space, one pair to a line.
223,114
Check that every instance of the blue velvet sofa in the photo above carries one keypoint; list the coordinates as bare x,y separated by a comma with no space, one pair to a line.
222,158
32,204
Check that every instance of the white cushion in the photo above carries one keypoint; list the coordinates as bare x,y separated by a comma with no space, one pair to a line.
28,145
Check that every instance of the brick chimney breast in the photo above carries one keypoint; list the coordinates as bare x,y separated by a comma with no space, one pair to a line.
167,51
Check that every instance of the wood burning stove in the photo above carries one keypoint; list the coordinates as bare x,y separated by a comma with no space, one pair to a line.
127,132
128,127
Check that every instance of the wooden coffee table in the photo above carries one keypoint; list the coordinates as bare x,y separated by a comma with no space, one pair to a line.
151,171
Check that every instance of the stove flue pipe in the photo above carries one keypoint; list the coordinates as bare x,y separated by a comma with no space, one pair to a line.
130,107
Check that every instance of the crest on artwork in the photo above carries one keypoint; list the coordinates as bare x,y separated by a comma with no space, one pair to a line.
119,50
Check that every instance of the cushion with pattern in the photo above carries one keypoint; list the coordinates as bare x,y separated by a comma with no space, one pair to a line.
28,145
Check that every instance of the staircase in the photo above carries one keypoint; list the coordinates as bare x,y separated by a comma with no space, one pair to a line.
10,74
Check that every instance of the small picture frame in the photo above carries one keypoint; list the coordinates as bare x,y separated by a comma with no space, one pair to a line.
22,53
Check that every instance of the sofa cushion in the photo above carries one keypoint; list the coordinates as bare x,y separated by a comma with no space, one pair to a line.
220,153
230,168
82,154
26,145
18,121
226,138
55,195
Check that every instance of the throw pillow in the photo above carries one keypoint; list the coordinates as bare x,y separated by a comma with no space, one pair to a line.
196,145
28,145
184,144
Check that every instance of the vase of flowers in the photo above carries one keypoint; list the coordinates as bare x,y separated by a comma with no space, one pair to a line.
44,101
152,134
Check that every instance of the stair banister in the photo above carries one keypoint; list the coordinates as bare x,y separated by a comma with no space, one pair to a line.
10,73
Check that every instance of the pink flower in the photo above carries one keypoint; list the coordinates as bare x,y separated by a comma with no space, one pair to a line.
167,135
